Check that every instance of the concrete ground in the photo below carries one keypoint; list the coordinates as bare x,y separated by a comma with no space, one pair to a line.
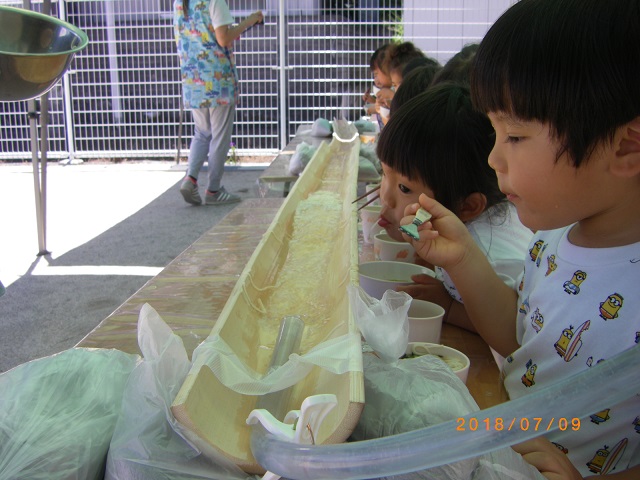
110,228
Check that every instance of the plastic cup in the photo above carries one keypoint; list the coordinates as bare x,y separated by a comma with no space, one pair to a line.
386,248
377,277
425,321
448,354
369,216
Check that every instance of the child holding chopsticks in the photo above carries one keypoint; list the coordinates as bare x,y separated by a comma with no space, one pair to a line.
567,154
436,144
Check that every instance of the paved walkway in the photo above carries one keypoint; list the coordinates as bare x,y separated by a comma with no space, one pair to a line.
110,227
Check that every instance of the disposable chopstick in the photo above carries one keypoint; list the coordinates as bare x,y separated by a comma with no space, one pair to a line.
370,191
367,203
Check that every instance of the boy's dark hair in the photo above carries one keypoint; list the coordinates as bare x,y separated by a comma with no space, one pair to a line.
414,83
398,55
441,140
574,64
458,68
377,57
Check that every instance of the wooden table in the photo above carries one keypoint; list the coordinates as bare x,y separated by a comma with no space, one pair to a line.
276,177
191,291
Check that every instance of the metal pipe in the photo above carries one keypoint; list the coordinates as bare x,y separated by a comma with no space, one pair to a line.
66,97
282,54
35,163
112,45
288,342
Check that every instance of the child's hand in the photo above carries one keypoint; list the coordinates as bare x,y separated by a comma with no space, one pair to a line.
426,288
550,461
384,96
367,97
382,103
444,240
257,17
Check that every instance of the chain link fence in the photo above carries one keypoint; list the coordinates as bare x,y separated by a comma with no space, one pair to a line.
310,59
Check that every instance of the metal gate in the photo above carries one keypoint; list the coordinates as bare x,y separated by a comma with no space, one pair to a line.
310,59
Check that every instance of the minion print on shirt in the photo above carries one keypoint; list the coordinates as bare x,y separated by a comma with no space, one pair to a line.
535,250
551,265
570,342
578,307
573,286
606,459
528,379
610,307
537,320
601,416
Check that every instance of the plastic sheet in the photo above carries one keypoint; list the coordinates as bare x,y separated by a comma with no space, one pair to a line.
59,413
145,442
337,355
606,383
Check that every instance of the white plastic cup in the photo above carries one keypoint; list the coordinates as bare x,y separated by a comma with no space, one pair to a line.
386,248
377,277
369,216
425,321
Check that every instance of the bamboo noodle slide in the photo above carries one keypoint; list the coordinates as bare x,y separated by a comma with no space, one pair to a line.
301,267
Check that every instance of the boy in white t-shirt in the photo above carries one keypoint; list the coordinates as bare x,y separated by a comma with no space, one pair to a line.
559,80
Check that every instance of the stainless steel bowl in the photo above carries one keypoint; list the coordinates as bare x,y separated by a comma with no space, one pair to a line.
35,51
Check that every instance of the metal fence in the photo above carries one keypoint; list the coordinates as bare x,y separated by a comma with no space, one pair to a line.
310,59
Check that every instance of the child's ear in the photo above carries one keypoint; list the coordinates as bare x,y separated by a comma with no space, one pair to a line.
472,207
627,159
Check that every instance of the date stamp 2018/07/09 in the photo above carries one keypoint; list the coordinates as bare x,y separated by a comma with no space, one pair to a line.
498,424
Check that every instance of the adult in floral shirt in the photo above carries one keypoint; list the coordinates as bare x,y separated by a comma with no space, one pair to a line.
205,32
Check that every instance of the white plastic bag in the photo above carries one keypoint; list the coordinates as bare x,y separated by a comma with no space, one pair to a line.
410,394
365,126
368,151
383,323
302,156
366,169
145,443
59,413
420,392
321,128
